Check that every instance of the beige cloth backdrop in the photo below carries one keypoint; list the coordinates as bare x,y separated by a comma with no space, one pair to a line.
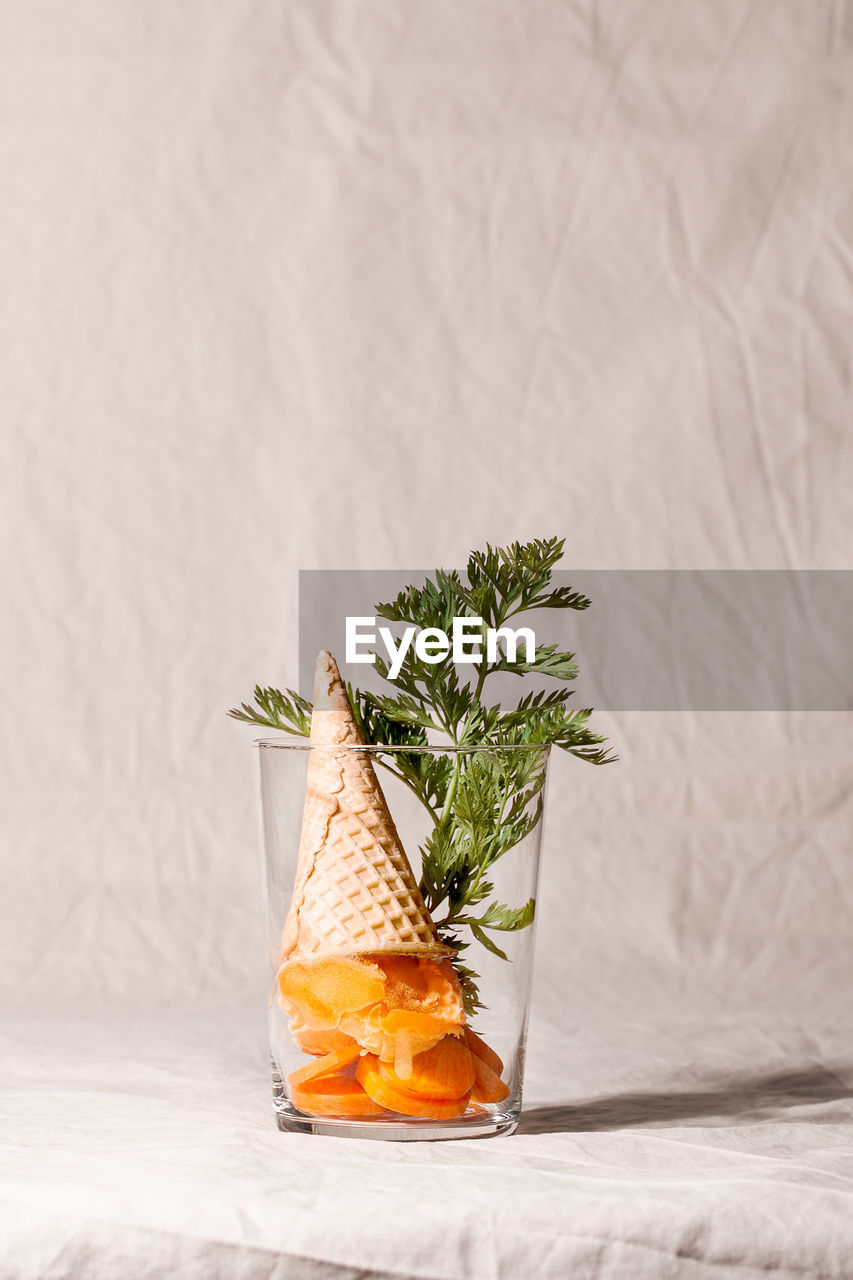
366,283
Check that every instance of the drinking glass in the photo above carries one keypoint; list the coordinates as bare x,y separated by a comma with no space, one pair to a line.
503,984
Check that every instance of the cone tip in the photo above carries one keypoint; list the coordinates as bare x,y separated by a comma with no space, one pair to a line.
333,720
325,665
328,685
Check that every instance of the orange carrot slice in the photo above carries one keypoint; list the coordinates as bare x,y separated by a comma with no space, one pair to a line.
488,1087
328,988
481,1050
385,1095
320,1042
334,1096
325,1066
445,1071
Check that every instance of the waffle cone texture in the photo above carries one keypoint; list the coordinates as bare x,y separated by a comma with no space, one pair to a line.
355,892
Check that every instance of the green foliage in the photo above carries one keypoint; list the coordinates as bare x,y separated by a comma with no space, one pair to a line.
484,798
275,710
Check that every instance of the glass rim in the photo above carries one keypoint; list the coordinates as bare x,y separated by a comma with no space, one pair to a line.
282,744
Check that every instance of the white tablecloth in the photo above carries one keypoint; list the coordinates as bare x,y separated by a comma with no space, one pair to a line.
683,1150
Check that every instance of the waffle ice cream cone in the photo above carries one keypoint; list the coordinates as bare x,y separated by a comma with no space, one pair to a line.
355,892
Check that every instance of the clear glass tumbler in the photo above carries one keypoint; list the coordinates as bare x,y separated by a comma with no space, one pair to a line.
494,809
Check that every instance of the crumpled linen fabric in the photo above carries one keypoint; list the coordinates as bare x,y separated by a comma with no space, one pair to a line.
350,284
698,1148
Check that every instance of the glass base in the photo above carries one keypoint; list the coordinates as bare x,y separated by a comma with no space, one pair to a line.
396,1128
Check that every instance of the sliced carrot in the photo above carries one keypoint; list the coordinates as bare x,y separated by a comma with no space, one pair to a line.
481,1050
445,1071
334,1096
327,988
325,1066
385,1095
488,1087
320,1042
